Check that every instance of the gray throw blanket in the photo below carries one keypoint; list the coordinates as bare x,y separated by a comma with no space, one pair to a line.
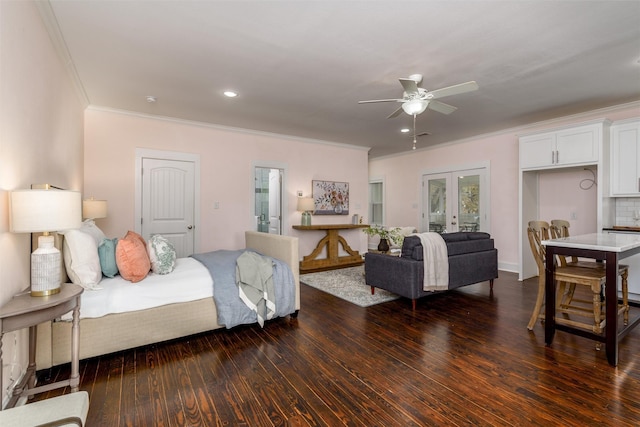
232,311
254,277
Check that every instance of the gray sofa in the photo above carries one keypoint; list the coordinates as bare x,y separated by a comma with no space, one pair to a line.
472,259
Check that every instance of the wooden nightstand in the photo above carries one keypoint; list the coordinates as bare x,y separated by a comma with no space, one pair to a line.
26,311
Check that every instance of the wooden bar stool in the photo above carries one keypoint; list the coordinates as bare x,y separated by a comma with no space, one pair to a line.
593,278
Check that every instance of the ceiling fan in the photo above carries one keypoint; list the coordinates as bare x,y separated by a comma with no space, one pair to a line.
415,100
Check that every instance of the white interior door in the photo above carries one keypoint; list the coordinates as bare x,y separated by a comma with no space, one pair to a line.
168,196
275,210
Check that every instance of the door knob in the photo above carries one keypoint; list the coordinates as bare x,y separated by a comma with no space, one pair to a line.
189,227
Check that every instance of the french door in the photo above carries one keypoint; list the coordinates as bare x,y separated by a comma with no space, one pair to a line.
455,201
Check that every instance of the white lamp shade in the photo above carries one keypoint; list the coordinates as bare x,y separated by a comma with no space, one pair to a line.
416,106
34,211
306,204
93,209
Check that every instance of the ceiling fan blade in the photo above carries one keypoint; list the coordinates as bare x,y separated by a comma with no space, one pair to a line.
454,90
423,134
395,113
441,107
380,100
409,86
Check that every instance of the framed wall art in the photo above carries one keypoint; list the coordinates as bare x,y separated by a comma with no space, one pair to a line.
330,198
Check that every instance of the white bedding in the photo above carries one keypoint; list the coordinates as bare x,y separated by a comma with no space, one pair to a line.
189,281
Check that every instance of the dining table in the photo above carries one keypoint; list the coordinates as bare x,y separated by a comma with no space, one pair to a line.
605,247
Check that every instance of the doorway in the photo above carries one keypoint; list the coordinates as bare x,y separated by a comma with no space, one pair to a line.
268,207
455,201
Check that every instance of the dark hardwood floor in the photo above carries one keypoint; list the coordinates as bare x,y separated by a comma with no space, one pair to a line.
463,358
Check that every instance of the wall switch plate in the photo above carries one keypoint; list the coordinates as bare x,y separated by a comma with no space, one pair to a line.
299,193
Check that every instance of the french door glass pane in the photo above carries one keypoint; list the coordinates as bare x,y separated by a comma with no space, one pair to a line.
437,205
469,202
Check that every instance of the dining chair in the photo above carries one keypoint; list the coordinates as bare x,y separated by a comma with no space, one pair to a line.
570,275
560,228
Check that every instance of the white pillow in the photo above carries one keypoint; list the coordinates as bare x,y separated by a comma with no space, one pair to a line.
81,259
90,227
162,254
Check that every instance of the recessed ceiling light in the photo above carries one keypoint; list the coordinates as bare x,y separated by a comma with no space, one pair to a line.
151,99
405,130
230,93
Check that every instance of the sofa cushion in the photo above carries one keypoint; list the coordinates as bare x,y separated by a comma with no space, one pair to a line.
464,235
412,248
457,243
469,246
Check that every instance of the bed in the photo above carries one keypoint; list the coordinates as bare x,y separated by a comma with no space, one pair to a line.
120,331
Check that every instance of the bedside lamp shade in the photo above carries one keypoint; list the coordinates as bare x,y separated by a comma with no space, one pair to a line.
306,205
94,209
36,211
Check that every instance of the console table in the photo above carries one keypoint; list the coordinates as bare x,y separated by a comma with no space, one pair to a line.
24,311
599,246
330,241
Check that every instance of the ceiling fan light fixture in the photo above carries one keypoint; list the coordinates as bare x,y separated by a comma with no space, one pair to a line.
415,106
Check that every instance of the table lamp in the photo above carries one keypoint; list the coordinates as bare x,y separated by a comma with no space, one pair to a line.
44,211
94,209
306,205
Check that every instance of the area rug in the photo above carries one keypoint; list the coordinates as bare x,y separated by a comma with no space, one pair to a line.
347,284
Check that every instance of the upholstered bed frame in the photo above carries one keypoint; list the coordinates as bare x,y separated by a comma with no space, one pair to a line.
121,331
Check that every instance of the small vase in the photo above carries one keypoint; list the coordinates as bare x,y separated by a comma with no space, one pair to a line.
383,246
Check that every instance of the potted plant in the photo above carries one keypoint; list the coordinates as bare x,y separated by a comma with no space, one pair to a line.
385,234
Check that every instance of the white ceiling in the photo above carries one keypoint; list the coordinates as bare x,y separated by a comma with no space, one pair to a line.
302,66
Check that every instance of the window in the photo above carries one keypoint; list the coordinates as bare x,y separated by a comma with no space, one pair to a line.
376,202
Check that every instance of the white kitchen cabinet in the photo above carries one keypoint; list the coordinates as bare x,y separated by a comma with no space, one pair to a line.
625,158
572,146
563,147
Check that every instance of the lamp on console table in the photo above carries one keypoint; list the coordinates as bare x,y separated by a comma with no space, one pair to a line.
306,205
44,211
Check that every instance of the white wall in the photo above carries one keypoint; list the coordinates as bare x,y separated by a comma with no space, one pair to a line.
402,174
227,161
41,126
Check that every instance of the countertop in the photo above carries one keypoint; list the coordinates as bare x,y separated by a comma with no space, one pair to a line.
610,242
623,228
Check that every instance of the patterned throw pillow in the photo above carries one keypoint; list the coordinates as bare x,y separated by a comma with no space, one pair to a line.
162,254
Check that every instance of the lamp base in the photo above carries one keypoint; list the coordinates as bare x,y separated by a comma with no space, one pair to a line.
306,218
45,268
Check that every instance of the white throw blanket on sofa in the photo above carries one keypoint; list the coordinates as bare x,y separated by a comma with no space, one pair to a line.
436,262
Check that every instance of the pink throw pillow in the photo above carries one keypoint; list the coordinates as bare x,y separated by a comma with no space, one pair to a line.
132,258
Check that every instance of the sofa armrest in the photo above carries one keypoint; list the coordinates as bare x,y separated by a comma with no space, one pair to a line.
402,276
